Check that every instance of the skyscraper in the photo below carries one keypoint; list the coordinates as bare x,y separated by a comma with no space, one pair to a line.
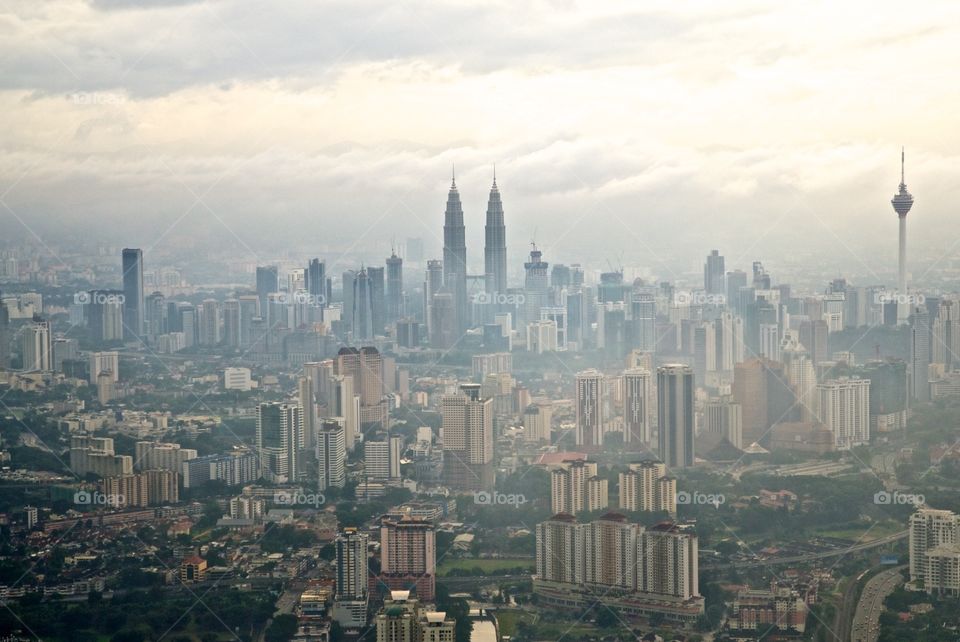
675,392
210,322
643,319
844,408
902,202
346,314
279,437
667,561
350,603
316,276
394,287
362,300
352,564
760,387
231,322
4,337
432,284
589,408
495,243
306,396
919,372
268,282
645,486
132,260
637,408
535,285
378,299
559,549
568,488
37,346
249,310
376,460
713,274
154,317
103,362
443,320
467,431
408,556
455,257
945,335
364,365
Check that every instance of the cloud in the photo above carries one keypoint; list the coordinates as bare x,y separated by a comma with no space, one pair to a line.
657,130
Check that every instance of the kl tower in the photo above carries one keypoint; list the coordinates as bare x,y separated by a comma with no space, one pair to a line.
902,202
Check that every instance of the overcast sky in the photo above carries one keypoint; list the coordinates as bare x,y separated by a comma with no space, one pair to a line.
632,130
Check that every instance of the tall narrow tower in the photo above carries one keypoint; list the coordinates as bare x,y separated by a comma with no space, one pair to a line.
495,243
455,256
902,202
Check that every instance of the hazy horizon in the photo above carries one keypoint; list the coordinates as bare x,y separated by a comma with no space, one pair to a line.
616,132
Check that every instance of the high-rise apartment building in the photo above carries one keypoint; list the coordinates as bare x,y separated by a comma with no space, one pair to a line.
350,601
280,438
935,551
37,346
638,403
643,570
722,419
537,419
590,388
843,406
570,488
408,556
155,455
331,455
96,455
667,561
645,486
535,285
467,432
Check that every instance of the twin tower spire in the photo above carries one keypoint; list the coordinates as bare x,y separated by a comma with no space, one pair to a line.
455,249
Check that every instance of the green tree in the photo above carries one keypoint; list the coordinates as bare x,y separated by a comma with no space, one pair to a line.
283,628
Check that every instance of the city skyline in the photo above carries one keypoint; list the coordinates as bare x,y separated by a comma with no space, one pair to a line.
464,321
571,168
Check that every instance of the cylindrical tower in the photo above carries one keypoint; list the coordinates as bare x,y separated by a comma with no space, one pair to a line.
902,202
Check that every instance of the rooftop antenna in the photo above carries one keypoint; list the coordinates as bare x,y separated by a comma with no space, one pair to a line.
903,156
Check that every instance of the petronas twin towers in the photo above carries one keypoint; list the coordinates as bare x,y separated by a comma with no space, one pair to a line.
455,251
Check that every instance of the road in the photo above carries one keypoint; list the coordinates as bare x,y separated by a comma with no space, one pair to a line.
799,559
866,620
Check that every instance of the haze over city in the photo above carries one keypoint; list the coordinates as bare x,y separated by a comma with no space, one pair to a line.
479,321
643,130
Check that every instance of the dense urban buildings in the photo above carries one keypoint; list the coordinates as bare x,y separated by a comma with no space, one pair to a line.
268,372
651,569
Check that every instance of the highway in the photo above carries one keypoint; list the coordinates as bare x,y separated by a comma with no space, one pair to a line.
810,557
866,620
